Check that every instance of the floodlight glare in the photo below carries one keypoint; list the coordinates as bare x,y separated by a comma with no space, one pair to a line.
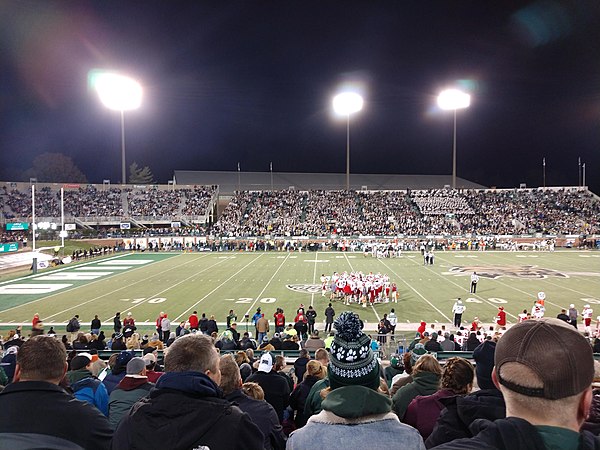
347,103
453,99
118,92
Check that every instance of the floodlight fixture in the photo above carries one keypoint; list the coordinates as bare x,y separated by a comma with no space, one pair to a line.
119,93
345,104
453,99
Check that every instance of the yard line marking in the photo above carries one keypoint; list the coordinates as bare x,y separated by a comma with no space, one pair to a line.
267,285
206,296
414,290
33,277
312,296
110,293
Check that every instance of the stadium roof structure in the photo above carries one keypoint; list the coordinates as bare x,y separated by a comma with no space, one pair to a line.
260,181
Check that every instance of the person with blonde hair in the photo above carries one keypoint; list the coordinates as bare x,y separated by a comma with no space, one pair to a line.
133,342
426,376
314,372
457,379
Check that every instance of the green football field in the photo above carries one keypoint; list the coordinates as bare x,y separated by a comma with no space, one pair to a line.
213,283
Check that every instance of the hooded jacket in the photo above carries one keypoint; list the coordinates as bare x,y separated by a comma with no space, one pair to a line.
88,388
511,433
185,411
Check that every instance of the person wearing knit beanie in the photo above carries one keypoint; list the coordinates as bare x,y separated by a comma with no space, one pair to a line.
352,362
355,414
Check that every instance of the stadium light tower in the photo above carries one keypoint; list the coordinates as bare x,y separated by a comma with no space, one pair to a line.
453,99
344,104
119,93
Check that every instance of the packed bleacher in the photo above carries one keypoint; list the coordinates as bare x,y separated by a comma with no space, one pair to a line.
322,213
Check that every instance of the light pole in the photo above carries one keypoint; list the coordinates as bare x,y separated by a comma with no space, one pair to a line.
344,104
119,93
453,99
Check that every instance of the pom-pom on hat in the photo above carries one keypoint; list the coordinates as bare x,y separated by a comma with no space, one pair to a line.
352,362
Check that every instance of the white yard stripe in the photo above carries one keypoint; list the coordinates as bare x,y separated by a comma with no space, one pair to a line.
33,277
414,290
107,293
219,286
312,296
267,285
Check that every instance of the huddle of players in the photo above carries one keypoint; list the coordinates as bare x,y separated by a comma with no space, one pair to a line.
357,287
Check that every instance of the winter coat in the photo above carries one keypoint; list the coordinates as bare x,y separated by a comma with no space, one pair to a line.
313,403
112,379
277,391
122,398
460,412
211,327
424,383
511,433
31,409
423,411
263,415
188,401
300,368
355,417
298,399
88,388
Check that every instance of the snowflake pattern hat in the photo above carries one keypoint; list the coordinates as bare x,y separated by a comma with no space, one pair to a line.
352,362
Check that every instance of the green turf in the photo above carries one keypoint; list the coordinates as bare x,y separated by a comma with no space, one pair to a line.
216,282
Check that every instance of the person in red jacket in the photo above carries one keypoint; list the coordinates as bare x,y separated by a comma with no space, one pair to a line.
128,321
421,329
501,318
193,320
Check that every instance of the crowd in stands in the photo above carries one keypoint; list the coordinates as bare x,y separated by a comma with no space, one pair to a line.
288,213
383,213
338,393
90,201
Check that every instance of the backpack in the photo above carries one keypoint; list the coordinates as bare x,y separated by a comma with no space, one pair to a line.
70,326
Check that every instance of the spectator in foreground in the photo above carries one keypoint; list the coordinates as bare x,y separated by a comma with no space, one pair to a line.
426,375
277,390
86,387
261,413
186,409
36,413
544,369
314,372
130,389
423,411
355,414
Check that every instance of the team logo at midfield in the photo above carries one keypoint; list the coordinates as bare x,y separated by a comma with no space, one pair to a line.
304,288
494,272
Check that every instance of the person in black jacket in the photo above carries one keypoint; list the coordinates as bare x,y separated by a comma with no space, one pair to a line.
277,391
186,409
261,412
314,372
35,412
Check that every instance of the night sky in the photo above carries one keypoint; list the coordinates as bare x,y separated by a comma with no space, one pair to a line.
252,82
